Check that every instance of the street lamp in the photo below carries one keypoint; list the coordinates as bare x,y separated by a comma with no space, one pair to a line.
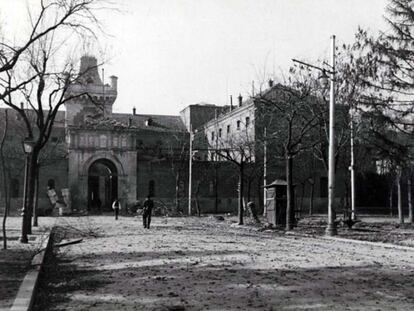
352,166
28,145
331,227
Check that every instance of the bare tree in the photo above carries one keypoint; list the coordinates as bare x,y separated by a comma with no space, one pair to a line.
290,117
6,193
177,153
40,77
239,149
50,16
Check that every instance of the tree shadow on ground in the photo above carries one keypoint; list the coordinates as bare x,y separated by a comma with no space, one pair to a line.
14,263
196,283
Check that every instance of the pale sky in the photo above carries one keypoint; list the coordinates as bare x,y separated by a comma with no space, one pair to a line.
172,53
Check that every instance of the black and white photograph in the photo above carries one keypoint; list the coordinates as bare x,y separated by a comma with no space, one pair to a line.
174,155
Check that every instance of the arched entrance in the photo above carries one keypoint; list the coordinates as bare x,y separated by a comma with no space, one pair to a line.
102,185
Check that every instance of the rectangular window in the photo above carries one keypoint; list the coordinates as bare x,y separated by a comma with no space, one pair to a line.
91,140
82,141
228,128
238,124
212,135
103,141
247,121
219,134
124,142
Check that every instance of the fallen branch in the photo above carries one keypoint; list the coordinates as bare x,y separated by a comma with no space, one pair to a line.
68,243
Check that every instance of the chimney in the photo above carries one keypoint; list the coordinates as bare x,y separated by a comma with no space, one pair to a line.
270,83
88,64
231,102
114,82
21,106
240,100
89,70
134,111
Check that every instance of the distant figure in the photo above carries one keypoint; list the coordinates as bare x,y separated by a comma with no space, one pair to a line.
116,206
146,216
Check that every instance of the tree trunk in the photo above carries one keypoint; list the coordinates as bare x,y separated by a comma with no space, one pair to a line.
260,196
31,187
409,199
390,199
36,197
197,190
6,193
312,192
177,194
215,189
302,196
399,193
289,193
240,210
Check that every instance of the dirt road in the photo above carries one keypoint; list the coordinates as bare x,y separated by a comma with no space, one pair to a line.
204,264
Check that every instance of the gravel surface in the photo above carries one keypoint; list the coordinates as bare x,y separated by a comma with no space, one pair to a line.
206,264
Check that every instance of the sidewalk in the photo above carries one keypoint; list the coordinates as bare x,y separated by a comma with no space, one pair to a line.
15,260
370,229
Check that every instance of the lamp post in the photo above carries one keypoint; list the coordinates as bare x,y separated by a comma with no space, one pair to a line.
28,145
331,227
352,166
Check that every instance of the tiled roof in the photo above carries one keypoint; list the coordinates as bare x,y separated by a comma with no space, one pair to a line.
166,122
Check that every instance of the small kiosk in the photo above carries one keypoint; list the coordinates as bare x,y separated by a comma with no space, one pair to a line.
276,202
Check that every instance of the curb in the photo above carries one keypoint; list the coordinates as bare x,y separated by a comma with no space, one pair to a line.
27,290
345,240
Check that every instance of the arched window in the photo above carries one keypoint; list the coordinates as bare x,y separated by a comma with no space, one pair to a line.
151,188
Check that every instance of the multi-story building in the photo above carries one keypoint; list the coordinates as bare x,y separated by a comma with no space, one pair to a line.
99,155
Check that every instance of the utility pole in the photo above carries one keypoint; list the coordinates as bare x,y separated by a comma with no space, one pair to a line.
103,91
265,174
352,167
331,228
190,170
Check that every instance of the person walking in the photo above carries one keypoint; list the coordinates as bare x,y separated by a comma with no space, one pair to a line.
116,206
146,215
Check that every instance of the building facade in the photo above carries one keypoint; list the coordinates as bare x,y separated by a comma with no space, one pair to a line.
100,155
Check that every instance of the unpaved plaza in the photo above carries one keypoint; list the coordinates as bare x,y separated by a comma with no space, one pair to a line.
205,264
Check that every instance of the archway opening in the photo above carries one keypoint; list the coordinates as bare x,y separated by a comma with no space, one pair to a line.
102,185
